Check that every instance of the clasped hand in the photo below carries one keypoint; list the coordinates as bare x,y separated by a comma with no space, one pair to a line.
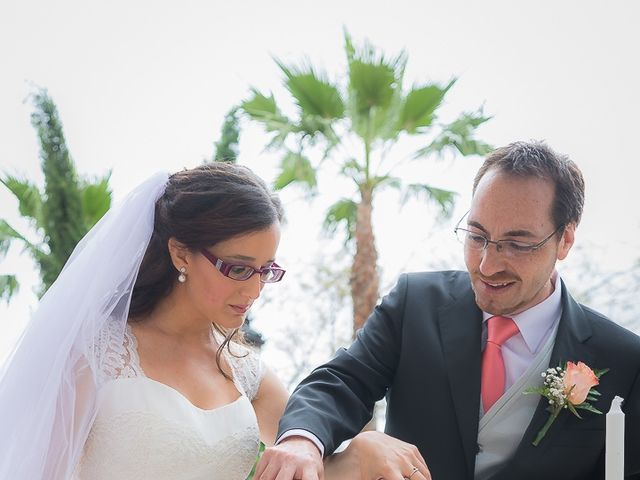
369,456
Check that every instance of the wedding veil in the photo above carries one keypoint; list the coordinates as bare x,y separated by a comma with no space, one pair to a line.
49,383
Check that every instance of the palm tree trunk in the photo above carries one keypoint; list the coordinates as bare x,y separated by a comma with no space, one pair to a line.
364,272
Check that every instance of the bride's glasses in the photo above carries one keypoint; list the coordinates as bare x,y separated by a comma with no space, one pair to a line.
271,274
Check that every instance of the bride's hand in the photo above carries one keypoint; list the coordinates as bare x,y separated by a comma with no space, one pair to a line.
374,456
295,458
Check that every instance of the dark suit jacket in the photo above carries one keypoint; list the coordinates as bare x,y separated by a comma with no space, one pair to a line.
421,348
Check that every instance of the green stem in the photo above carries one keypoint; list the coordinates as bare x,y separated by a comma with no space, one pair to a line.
543,430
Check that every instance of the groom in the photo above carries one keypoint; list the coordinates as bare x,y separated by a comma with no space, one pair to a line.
453,351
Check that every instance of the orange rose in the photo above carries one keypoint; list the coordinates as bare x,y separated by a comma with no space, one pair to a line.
581,378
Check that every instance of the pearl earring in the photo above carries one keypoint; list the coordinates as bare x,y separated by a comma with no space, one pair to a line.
182,277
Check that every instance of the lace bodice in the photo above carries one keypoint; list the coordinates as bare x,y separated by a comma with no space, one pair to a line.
145,429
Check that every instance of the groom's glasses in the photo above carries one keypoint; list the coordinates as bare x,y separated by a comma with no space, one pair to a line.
510,248
271,274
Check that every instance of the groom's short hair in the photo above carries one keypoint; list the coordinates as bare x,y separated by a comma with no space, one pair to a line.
537,159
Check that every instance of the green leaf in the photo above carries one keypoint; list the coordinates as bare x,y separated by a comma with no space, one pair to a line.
263,109
312,92
374,88
8,287
352,167
588,407
28,196
260,452
226,148
419,106
445,199
372,85
343,212
296,168
538,390
459,136
600,372
96,199
386,181
572,409
8,234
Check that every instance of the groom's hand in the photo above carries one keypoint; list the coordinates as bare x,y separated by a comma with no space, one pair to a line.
380,456
294,458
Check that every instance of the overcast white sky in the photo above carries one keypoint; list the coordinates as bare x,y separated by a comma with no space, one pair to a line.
144,85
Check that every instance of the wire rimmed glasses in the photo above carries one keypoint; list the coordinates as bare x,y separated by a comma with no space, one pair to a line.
509,248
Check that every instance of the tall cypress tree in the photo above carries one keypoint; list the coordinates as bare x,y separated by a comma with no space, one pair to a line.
63,219
227,146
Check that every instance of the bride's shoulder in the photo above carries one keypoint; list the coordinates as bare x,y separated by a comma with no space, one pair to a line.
116,352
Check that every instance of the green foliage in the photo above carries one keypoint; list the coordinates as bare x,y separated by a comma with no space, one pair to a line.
420,105
260,452
264,110
370,109
296,168
342,213
8,286
227,146
458,136
96,199
28,196
312,92
62,215
445,199
63,212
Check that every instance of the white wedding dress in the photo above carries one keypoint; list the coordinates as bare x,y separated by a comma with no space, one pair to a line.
145,429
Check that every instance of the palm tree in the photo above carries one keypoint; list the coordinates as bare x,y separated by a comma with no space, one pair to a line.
63,212
374,112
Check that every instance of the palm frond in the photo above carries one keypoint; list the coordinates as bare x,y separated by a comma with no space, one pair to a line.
445,199
8,234
312,92
96,199
371,85
342,213
296,168
264,110
420,105
374,90
29,198
459,136
386,181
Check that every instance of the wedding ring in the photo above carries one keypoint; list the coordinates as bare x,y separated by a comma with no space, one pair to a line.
413,472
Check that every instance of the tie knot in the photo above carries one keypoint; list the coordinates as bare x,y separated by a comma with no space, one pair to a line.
501,329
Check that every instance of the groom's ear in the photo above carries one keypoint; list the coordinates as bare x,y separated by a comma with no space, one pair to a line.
566,241
179,253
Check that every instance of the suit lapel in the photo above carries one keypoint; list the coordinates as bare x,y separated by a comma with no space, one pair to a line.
460,330
569,345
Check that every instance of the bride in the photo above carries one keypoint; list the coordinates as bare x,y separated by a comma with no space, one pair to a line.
133,366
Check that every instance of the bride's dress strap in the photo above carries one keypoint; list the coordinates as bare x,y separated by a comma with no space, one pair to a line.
117,351
247,368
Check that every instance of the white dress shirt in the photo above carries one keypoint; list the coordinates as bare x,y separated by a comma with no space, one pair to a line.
535,325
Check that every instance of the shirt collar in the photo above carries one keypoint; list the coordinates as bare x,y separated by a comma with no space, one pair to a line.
537,321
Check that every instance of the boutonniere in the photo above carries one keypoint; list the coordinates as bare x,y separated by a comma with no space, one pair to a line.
568,388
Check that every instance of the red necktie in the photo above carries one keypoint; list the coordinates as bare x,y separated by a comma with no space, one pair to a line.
500,329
